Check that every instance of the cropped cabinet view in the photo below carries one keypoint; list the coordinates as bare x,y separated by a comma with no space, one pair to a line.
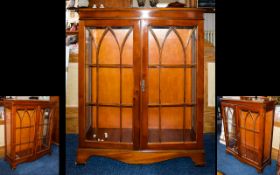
141,84
248,127
29,129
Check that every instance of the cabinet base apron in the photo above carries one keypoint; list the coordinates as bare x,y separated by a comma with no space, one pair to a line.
140,157
14,163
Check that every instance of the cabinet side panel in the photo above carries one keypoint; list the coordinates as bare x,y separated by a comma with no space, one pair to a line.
8,131
267,134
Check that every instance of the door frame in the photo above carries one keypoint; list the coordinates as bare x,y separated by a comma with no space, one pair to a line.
135,24
198,143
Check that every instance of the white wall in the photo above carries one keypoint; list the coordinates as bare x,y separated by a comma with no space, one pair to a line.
2,138
211,85
72,85
276,138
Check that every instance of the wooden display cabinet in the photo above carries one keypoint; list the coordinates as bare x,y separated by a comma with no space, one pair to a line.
28,130
55,133
141,84
248,125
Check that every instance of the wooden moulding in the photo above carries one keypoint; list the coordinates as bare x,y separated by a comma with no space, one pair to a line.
133,13
140,157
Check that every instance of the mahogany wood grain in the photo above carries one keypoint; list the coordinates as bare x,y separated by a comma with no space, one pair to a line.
55,133
140,157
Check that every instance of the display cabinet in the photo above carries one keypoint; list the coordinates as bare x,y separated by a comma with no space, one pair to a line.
56,116
248,127
28,130
141,84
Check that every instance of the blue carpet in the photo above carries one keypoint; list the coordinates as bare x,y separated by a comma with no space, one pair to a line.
106,166
46,165
229,165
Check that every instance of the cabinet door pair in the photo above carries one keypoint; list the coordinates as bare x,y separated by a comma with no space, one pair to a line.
141,83
248,131
27,131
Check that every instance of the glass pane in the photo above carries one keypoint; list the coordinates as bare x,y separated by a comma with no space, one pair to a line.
190,96
231,127
153,125
109,84
43,132
127,117
25,131
153,86
171,84
249,134
127,86
172,124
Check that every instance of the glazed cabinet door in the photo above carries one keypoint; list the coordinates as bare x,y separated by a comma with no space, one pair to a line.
173,90
230,126
110,70
44,129
250,133
25,129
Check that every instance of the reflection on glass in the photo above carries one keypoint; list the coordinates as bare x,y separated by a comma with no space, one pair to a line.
231,127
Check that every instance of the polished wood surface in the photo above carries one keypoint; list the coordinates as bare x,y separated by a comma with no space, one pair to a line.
2,151
142,13
248,126
28,129
140,157
56,116
141,74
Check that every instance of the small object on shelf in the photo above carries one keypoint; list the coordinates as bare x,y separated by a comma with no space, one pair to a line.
176,4
73,28
101,6
153,3
33,97
71,4
94,6
162,5
106,135
141,3
83,3
94,135
72,39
